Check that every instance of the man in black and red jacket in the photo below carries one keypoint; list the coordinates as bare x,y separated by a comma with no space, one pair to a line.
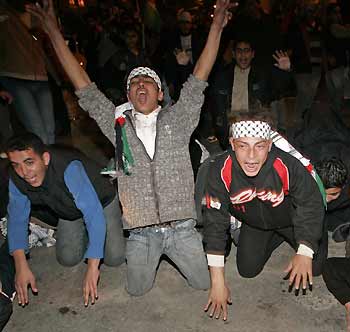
276,199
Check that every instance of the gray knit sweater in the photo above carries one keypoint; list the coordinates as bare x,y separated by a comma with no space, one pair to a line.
160,189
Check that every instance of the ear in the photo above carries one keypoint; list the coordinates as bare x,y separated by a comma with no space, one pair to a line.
160,95
46,157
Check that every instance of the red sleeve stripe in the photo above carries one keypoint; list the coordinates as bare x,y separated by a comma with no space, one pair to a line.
226,173
283,172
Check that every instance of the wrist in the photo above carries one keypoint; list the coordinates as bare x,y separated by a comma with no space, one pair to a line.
217,274
93,263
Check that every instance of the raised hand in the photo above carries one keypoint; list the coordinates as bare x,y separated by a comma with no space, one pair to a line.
222,12
45,14
282,60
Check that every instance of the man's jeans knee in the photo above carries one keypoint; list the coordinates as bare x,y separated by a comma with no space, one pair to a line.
114,253
72,239
142,254
181,243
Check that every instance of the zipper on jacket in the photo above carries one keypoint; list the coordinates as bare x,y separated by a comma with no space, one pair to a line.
150,160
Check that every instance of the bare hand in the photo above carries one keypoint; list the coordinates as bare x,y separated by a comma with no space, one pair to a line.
182,57
300,272
90,282
45,14
6,96
219,297
222,14
347,313
24,278
283,61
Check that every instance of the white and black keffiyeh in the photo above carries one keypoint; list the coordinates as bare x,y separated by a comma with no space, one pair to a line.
144,71
258,129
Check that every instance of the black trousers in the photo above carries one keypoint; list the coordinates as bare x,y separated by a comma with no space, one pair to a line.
336,274
255,247
7,277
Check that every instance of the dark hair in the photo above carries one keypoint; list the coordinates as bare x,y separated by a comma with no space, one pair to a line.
24,142
243,39
332,172
259,114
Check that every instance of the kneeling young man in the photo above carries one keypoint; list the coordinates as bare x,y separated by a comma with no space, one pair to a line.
275,198
67,185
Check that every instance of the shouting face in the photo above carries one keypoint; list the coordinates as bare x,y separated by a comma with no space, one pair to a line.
144,94
251,153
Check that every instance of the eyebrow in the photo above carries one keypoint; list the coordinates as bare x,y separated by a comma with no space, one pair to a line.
259,142
25,160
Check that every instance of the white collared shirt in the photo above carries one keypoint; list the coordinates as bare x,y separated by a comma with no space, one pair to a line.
146,129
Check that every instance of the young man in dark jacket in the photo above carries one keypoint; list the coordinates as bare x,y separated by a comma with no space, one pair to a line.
275,198
68,186
243,84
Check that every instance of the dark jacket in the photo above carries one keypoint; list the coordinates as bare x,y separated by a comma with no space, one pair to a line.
53,196
283,194
265,84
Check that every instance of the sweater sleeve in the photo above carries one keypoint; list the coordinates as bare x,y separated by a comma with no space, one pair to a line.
309,209
216,223
99,107
190,102
88,203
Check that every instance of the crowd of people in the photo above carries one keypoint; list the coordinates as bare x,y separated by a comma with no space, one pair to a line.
164,87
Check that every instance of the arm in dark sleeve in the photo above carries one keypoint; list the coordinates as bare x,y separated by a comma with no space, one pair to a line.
88,203
282,84
309,208
216,221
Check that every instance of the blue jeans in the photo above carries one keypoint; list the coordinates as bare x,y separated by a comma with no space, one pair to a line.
180,242
72,239
33,103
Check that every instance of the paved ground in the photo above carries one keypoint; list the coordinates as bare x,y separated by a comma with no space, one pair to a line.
262,304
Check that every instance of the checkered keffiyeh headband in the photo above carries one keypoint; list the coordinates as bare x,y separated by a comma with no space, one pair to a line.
251,129
143,71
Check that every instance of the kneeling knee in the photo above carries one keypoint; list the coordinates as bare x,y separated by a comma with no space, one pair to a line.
248,272
114,261
68,260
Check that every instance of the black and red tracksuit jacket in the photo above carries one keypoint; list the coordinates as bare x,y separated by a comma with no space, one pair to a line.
282,194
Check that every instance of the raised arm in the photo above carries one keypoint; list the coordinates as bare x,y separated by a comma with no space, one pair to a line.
48,20
207,58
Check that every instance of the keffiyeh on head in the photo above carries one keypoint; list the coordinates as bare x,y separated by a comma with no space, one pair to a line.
258,129
143,71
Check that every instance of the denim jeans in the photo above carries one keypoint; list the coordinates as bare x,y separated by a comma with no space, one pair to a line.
72,239
180,242
33,104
